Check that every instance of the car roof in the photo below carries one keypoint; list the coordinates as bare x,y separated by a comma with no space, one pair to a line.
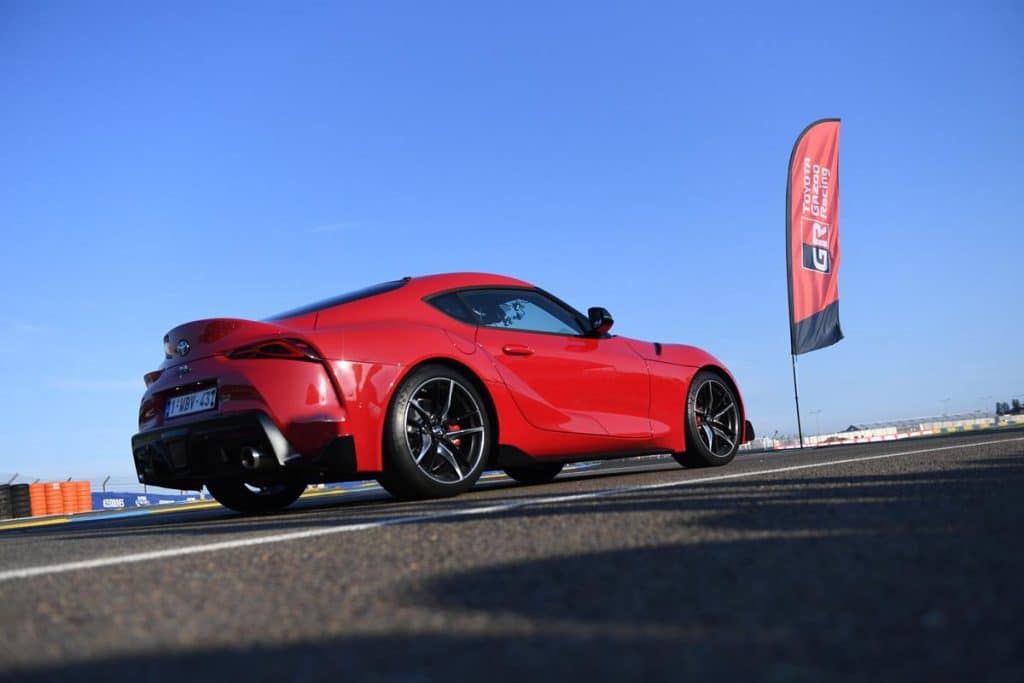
404,298
429,284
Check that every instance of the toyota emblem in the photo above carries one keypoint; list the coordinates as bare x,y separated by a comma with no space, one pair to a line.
183,347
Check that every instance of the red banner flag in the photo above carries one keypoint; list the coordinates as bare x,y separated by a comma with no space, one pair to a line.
812,238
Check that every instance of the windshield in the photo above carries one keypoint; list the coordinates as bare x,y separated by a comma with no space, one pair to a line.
365,292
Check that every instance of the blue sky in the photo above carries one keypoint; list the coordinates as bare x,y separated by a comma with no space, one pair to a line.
163,164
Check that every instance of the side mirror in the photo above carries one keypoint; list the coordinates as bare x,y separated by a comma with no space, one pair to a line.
600,321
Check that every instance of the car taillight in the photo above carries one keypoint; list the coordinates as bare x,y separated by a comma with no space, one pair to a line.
151,377
290,349
147,411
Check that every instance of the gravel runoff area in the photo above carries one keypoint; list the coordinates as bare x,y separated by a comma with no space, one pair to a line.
897,561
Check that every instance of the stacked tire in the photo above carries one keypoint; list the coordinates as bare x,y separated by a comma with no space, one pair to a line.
83,496
37,498
68,497
5,502
21,501
54,499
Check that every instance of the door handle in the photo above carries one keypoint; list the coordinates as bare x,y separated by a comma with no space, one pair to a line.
516,350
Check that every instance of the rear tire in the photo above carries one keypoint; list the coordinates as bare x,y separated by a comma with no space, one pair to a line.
541,473
249,499
712,421
437,435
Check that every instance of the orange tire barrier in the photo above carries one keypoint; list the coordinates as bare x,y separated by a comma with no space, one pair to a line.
37,499
67,493
84,494
54,499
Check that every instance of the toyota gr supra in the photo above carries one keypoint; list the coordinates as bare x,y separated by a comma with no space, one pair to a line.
422,384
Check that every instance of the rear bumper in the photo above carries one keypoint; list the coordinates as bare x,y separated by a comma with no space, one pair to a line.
189,455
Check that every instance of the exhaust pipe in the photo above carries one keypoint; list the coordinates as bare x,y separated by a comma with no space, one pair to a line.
252,459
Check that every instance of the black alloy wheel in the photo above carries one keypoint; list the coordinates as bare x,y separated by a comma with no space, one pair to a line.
437,436
713,422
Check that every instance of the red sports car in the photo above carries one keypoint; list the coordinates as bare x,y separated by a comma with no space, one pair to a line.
422,383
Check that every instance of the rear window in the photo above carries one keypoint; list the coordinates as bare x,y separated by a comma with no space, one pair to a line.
451,304
364,293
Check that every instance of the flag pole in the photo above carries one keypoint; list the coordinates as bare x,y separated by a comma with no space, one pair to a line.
796,397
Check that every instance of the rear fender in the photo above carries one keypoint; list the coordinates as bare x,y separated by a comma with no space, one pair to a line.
370,361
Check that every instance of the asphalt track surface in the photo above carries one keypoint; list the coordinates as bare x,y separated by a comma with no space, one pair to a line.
896,561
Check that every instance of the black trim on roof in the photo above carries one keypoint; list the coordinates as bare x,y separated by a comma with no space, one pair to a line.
364,293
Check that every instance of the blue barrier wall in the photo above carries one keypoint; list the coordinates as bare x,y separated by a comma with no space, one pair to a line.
117,500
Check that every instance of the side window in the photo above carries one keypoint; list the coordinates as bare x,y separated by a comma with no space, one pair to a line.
521,309
452,306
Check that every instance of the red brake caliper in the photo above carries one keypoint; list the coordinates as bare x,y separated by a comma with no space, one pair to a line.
455,428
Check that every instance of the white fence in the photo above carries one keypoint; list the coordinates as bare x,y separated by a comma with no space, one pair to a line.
902,429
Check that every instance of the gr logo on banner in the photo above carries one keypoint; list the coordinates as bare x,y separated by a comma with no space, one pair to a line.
816,255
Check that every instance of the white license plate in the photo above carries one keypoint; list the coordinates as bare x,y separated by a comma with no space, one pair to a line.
191,403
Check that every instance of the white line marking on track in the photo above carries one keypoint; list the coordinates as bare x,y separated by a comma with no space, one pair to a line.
63,568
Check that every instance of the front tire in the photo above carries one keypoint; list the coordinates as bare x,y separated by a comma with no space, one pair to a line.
437,435
541,473
252,499
713,422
